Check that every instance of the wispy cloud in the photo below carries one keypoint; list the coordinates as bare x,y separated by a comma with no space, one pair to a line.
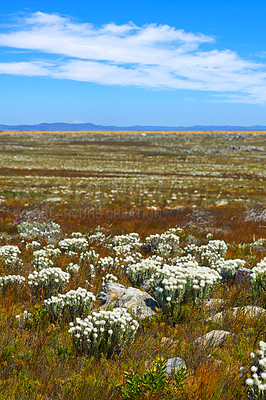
151,56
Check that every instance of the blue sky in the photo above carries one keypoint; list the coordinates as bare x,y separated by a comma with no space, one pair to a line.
133,62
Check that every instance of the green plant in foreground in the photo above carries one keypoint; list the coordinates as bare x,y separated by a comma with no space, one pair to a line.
153,382
259,287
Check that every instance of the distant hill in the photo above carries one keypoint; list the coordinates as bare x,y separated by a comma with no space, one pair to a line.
61,126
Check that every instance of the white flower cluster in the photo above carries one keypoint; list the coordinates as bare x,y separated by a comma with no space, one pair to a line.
73,244
130,259
9,254
108,278
163,244
89,257
76,234
209,253
126,244
174,284
8,281
257,382
73,269
227,268
259,269
259,243
34,230
45,257
108,263
34,245
97,238
75,303
48,280
140,271
25,319
103,332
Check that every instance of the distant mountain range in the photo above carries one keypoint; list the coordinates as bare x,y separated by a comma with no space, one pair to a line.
61,126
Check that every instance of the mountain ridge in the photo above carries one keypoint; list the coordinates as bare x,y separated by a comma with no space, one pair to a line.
79,127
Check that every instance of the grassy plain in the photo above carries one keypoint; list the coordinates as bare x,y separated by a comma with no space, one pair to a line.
144,182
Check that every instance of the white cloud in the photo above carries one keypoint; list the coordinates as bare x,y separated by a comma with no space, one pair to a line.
152,56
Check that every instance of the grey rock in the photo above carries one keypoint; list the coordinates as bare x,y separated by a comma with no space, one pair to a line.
173,364
212,339
243,276
110,292
248,311
116,295
141,303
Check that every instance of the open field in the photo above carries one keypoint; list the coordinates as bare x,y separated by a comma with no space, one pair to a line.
100,187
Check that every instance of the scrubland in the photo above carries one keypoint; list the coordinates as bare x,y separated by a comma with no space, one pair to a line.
202,196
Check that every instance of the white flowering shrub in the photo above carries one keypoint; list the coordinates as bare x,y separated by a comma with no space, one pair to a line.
45,257
42,230
76,234
227,268
258,280
9,255
73,269
108,278
259,269
130,259
9,281
25,319
89,257
98,237
259,243
212,252
104,332
68,306
106,264
73,244
48,281
140,271
126,244
163,244
257,382
34,245
175,284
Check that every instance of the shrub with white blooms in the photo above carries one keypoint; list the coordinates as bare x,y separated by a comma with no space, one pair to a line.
259,269
126,244
227,268
89,257
140,271
108,264
68,306
43,230
257,381
212,252
9,281
258,280
9,255
163,244
73,269
176,284
25,319
73,244
104,332
108,278
34,245
45,257
48,280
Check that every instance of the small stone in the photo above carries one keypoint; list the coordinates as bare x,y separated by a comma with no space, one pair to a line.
173,364
212,339
248,311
